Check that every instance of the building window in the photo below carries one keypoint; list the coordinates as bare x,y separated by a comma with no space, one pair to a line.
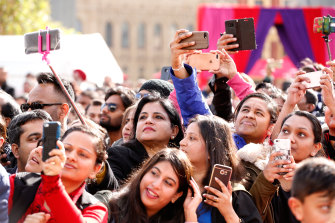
125,35
108,34
157,41
141,38
259,2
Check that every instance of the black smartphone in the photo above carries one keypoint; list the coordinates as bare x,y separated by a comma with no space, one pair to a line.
165,74
31,40
200,38
244,31
51,133
221,172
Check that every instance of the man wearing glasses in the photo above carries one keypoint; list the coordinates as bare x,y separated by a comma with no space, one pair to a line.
117,100
48,95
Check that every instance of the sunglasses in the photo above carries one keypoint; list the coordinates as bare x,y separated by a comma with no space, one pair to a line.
36,105
139,95
111,106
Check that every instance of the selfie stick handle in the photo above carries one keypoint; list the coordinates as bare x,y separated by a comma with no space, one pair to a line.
67,95
45,58
326,38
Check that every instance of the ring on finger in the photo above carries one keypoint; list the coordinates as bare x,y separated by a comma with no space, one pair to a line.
216,199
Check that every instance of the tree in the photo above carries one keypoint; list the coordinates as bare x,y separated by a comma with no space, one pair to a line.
18,17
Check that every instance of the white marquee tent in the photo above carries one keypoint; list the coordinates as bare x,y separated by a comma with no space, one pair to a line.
87,52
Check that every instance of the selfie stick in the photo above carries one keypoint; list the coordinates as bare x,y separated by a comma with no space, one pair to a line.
326,38
45,58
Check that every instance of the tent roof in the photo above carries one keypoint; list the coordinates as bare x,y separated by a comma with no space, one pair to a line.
87,52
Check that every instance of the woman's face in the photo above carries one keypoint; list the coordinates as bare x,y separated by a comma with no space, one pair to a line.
34,161
300,131
80,157
127,131
194,146
154,125
253,120
159,187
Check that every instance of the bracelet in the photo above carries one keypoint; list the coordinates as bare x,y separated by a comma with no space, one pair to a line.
179,68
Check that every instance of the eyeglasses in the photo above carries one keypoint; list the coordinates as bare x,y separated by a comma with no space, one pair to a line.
36,105
139,95
111,106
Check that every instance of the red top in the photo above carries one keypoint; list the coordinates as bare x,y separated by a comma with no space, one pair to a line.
52,198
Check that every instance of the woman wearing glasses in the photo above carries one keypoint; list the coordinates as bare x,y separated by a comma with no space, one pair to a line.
156,126
59,194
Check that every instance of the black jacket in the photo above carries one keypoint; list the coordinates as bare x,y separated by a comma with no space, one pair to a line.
126,158
243,206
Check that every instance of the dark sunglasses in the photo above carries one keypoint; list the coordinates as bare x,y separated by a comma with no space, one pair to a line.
139,95
36,105
111,106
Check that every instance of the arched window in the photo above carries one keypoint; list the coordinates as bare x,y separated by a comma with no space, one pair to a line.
141,38
125,35
108,34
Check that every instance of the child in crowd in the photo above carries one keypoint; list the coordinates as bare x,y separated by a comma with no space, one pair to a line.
313,191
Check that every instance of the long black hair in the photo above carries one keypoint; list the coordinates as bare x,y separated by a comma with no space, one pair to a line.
126,205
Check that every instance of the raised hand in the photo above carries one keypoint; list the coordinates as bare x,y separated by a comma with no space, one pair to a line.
222,200
227,65
223,42
54,165
191,203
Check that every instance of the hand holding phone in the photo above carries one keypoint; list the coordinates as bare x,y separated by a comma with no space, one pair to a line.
283,146
314,77
244,31
205,61
51,133
221,172
200,38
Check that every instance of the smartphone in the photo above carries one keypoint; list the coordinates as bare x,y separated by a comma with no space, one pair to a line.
244,31
283,146
165,74
205,61
200,38
314,78
221,172
51,133
31,40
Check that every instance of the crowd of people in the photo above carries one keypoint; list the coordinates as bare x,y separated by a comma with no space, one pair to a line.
148,154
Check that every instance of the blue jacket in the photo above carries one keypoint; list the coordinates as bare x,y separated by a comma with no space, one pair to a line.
189,96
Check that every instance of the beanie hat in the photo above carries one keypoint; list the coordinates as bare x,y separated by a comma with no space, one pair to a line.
164,88
81,74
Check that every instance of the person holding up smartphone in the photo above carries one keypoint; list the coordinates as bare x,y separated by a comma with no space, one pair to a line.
59,194
208,141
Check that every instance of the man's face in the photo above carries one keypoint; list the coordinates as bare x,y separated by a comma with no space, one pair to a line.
112,119
32,133
84,100
46,94
316,208
94,113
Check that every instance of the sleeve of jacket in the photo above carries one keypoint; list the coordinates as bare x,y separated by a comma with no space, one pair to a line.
245,207
222,98
60,202
240,87
189,96
262,192
4,194
117,160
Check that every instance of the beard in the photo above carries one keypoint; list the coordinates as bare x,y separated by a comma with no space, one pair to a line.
109,126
